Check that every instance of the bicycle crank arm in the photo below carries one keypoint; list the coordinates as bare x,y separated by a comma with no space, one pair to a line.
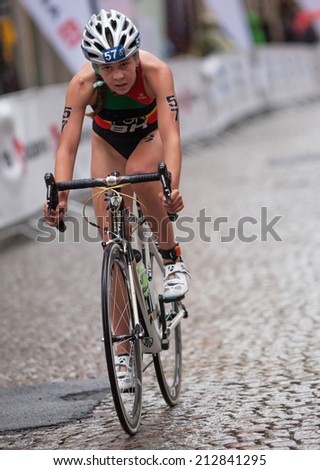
169,324
176,320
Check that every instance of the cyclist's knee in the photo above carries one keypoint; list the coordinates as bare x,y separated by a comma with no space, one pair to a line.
139,165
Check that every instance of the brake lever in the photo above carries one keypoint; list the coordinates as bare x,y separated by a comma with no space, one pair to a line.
165,178
53,198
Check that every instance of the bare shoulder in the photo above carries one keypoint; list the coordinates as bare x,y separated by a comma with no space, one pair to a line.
81,85
156,74
152,64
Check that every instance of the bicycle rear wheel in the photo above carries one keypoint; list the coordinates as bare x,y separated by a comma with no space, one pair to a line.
121,337
168,362
168,367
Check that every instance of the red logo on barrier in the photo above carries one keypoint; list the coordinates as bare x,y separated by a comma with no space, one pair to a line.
70,32
19,150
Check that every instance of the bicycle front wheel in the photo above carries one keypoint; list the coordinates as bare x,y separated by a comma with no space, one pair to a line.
121,339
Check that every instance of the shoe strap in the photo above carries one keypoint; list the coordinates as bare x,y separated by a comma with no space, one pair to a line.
173,254
178,267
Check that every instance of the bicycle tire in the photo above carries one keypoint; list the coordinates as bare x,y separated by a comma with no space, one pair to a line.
168,367
120,335
168,362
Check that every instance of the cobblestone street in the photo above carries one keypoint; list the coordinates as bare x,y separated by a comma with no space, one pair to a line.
251,239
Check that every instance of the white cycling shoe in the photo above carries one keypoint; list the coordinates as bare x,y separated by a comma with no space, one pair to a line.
124,371
175,281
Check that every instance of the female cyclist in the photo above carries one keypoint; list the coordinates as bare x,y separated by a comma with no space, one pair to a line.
135,126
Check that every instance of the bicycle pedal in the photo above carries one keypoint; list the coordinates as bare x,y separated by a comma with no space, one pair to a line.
172,299
186,314
165,344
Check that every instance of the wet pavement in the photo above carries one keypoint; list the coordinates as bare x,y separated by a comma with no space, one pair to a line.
250,236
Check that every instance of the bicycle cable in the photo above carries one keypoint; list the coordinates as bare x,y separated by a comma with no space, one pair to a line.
99,194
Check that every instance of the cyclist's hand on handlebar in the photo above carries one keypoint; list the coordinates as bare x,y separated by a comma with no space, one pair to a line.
56,215
176,201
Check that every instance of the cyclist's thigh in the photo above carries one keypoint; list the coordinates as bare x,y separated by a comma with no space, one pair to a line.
143,160
147,155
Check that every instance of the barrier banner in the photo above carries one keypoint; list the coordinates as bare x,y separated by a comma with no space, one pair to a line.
62,23
29,137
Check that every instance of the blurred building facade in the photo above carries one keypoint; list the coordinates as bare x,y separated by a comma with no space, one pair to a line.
27,59
267,17
278,21
35,62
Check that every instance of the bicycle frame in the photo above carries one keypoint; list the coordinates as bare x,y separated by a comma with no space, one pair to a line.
152,339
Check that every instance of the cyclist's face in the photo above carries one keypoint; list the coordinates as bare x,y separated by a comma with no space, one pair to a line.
120,76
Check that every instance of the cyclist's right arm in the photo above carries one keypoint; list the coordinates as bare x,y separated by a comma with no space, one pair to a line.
80,93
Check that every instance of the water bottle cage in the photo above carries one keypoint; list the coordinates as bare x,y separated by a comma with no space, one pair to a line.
141,270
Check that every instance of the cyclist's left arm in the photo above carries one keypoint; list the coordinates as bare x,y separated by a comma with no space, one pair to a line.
161,81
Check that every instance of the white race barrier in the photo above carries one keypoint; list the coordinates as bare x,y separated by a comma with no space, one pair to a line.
30,124
223,89
213,93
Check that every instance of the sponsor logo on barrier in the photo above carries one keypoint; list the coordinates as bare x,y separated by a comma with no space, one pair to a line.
12,160
14,156
70,32
62,23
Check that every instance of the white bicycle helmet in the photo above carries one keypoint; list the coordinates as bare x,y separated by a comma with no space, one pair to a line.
108,37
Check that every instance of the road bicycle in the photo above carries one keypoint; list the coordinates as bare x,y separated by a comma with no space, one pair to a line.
138,322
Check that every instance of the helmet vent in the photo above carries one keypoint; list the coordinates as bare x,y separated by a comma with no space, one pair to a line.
123,40
113,24
89,36
109,36
132,45
99,46
99,28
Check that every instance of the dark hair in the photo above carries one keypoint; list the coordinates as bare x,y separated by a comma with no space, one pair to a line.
99,102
